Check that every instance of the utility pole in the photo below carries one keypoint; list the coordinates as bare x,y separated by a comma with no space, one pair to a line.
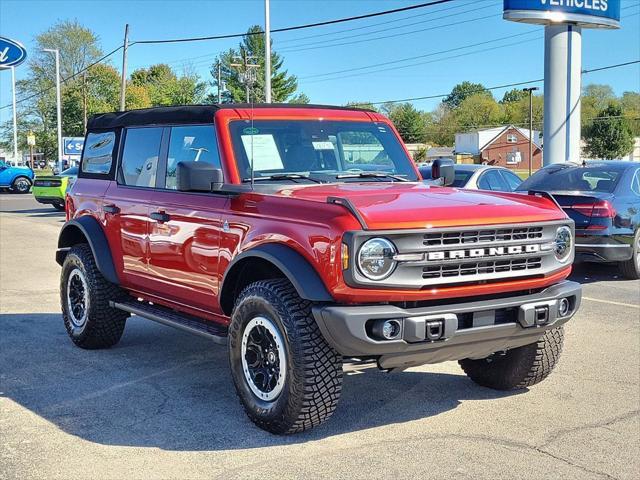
247,74
530,90
56,52
267,53
123,81
15,119
219,78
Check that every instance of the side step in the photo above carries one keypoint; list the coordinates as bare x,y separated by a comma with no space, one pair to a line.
171,318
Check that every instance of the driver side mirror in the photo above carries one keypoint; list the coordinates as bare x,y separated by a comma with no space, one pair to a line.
198,177
443,170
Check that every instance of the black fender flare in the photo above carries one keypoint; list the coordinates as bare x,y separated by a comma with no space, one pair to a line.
89,228
293,265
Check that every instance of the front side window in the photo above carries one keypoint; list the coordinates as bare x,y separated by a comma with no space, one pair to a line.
97,155
140,156
195,143
319,150
492,180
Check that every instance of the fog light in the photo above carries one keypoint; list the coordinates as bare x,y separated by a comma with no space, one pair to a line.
563,307
386,329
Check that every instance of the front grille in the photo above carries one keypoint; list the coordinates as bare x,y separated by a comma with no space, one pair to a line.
472,237
479,268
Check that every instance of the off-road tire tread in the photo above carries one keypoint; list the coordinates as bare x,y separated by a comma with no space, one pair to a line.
105,324
520,367
317,379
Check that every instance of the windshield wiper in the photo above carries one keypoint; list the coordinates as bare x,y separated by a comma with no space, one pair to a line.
372,175
283,176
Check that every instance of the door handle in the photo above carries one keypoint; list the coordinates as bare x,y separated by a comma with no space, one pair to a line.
111,209
160,217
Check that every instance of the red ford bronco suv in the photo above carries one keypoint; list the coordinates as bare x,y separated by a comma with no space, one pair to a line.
301,236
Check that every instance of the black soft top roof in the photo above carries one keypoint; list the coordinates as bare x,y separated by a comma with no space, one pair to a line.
183,114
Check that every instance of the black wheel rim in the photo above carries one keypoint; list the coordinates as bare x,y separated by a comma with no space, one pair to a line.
263,361
77,298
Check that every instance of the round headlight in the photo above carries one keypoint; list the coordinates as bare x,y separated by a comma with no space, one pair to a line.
563,243
375,258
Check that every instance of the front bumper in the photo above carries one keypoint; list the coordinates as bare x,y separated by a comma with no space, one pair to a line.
473,329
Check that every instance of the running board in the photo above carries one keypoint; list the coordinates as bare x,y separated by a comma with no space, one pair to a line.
174,319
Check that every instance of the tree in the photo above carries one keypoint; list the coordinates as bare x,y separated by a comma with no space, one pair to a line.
367,105
442,127
463,90
514,95
630,103
595,98
517,113
409,122
610,136
478,111
164,87
283,85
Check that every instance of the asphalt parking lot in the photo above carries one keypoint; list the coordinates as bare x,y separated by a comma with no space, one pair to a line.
161,403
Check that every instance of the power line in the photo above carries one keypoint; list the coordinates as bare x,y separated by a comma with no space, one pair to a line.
422,56
298,27
383,37
64,80
383,29
497,87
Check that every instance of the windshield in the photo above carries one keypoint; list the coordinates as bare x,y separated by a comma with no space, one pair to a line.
583,179
319,150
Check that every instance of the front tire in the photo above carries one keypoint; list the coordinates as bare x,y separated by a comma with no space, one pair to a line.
85,294
59,207
520,367
21,185
631,268
287,377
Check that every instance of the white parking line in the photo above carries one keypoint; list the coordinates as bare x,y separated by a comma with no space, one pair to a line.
612,303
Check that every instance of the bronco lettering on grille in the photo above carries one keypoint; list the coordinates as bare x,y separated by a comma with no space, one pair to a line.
483,252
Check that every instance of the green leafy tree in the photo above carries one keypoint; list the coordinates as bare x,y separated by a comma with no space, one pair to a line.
283,85
409,122
442,126
610,136
517,113
514,95
478,111
164,87
462,91
595,98
367,105
630,103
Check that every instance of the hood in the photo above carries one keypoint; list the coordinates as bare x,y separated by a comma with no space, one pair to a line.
416,205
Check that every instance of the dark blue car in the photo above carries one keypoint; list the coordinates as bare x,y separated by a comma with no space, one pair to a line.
603,199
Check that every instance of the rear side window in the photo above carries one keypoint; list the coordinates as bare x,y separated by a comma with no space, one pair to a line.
97,155
512,179
140,156
492,180
196,143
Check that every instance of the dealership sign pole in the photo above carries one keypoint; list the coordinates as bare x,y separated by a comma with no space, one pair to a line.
563,21
12,54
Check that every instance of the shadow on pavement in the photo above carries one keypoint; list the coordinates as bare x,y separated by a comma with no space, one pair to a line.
596,272
36,212
161,388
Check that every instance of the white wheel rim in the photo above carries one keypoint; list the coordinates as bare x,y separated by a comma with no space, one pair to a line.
77,298
270,357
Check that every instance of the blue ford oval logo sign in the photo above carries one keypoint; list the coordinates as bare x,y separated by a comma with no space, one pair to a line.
12,53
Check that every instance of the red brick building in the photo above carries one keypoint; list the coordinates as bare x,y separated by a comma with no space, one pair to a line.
504,146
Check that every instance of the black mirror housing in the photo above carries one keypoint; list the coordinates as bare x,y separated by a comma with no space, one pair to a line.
443,170
198,177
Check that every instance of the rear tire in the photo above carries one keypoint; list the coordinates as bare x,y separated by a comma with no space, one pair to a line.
21,185
520,367
85,294
287,377
59,207
631,268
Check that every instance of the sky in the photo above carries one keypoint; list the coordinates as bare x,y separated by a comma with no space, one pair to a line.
462,40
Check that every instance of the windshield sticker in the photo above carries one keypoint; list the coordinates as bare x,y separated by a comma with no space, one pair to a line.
251,131
322,145
264,150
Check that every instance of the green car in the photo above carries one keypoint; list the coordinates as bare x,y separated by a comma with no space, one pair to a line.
51,189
